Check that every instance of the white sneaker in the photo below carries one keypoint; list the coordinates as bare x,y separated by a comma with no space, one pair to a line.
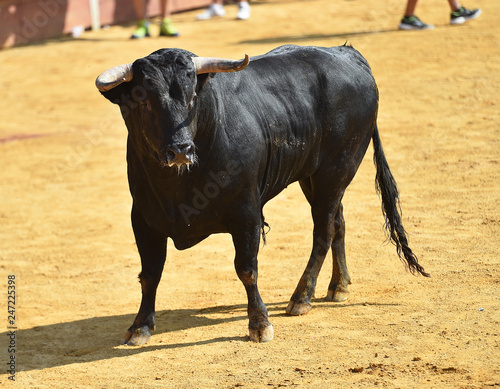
211,11
243,11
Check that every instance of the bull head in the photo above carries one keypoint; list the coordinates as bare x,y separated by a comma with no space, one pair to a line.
164,105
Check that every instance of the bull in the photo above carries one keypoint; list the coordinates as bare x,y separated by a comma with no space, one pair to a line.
212,140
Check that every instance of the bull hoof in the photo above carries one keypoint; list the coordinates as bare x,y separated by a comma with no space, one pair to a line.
137,337
337,295
261,335
295,309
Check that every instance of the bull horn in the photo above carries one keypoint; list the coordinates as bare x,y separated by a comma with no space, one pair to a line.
113,77
218,65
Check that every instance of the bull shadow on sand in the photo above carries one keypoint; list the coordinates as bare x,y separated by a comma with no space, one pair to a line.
98,338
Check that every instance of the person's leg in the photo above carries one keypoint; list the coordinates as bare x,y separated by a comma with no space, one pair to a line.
166,27
454,5
243,10
410,8
215,9
461,14
410,21
142,25
140,9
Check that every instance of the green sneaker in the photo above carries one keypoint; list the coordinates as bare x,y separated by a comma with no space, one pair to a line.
142,30
167,29
463,15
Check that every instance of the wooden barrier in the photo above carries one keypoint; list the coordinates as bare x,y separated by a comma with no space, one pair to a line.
25,21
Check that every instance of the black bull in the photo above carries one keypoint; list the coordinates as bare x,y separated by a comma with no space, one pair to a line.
211,141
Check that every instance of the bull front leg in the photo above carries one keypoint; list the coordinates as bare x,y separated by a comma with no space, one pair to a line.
152,247
246,244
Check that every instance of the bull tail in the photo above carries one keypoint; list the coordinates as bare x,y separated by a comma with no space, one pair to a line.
388,190
263,226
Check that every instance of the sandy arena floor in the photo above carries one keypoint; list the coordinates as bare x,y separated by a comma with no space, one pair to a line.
66,236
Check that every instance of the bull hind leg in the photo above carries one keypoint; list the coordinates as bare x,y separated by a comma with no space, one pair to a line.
338,288
325,208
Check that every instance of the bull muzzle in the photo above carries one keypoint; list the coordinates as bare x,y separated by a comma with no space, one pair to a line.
180,155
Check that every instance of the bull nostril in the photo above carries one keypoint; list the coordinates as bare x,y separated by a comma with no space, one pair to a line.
180,149
186,149
180,154
171,154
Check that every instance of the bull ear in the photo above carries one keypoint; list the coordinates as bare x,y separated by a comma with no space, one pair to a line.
113,77
218,65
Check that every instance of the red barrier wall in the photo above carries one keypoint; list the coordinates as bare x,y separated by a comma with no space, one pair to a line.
24,21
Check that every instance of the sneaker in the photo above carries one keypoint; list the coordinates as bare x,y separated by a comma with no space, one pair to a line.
413,23
142,30
167,29
212,11
463,15
243,11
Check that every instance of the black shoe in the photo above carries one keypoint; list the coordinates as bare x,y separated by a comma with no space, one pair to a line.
463,15
413,23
